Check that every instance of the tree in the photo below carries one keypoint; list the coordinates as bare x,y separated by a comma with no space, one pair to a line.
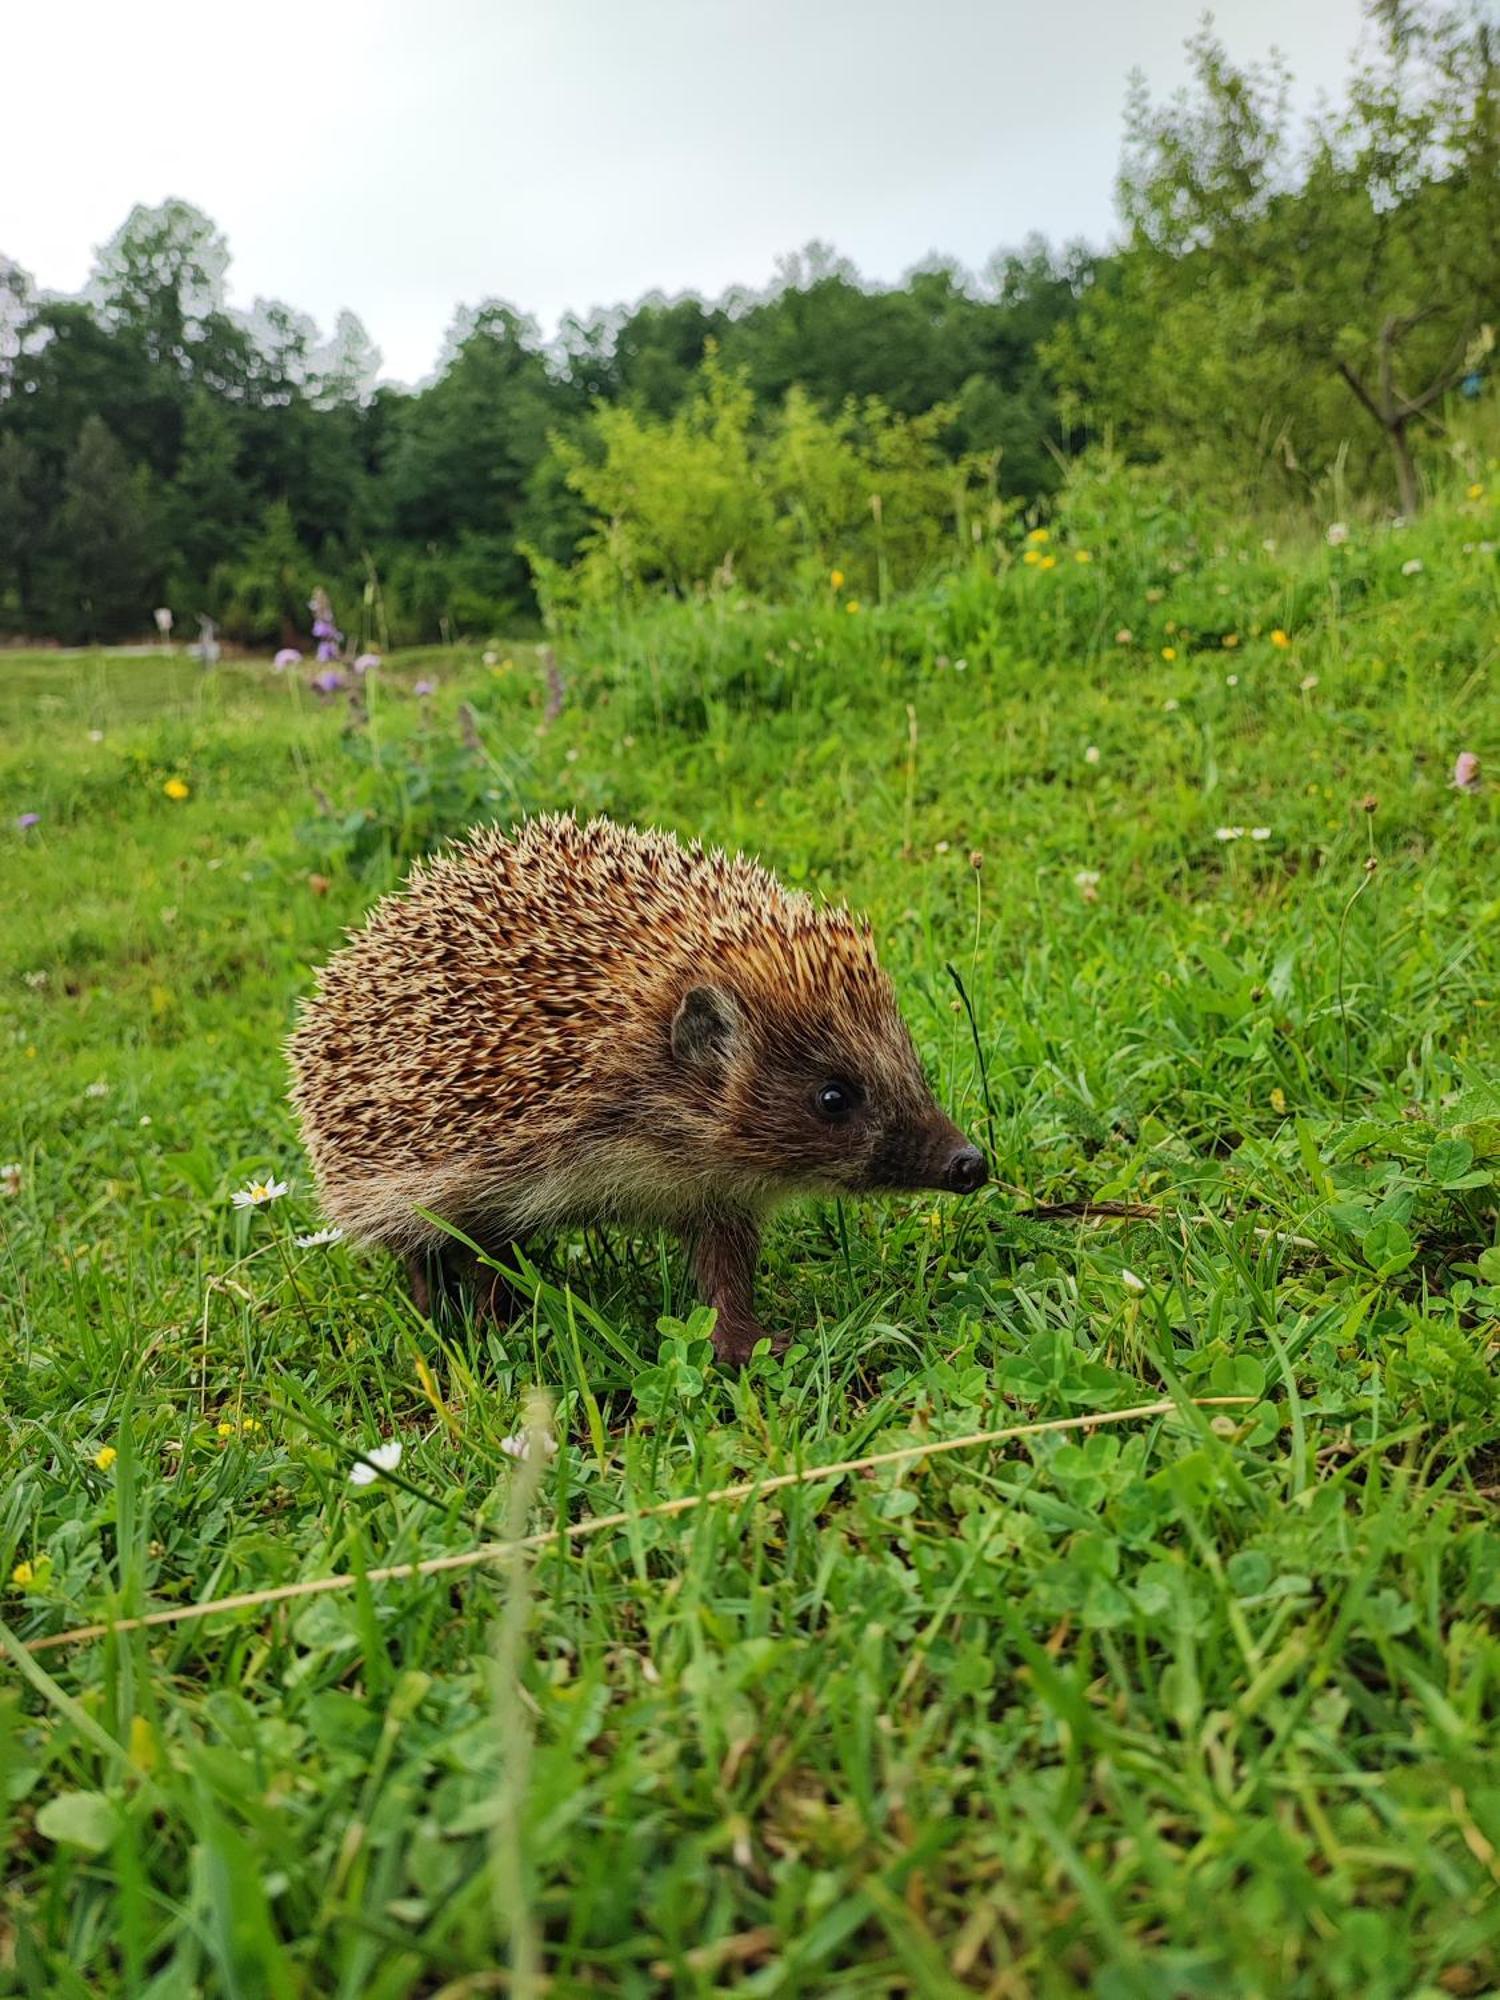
469,444
1411,178
1276,293
209,505
18,524
100,580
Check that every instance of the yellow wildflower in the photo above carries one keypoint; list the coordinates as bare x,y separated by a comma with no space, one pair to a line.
852,605
836,578
1038,536
105,1457
1278,1099
1082,555
1231,639
1476,491
23,1576
226,1430
176,788
1049,562
1031,556
1169,652
1279,639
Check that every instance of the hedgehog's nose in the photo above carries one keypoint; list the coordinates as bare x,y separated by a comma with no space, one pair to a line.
967,1170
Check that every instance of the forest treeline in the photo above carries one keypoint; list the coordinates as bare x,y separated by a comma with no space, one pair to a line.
1294,312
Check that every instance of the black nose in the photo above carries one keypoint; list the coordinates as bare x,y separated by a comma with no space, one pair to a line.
967,1170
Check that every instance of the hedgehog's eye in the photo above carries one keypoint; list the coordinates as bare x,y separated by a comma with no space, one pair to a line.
834,1100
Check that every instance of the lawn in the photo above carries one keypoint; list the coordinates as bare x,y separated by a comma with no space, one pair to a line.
1203,1702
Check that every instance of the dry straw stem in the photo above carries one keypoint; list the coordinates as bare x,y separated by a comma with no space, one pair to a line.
598,1524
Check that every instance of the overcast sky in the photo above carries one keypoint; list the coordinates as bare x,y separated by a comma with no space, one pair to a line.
403,156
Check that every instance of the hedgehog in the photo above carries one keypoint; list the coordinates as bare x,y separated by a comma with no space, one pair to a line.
571,1024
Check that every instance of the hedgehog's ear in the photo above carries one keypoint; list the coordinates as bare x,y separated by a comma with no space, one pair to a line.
706,1026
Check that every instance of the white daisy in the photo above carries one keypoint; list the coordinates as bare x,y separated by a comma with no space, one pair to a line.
317,1238
258,1193
379,1458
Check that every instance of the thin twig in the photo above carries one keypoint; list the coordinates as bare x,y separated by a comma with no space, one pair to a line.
598,1524
1061,1211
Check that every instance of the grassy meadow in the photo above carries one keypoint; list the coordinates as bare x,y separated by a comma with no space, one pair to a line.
1203,1703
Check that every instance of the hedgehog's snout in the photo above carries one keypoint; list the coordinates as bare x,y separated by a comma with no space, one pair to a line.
929,1154
966,1170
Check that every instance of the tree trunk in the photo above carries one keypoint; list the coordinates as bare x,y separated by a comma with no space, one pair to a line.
1406,470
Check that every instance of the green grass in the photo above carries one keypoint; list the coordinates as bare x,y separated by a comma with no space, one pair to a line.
1186,1707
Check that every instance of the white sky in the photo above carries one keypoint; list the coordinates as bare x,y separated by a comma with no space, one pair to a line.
403,156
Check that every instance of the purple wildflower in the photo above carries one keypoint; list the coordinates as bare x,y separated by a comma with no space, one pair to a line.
327,650
424,687
328,682
322,628
24,820
365,662
287,657
1466,771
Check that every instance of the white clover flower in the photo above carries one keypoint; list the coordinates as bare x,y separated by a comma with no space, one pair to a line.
97,1089
1307,683
1171,704
258,1193
1338,534
1413,567
1260,833
317,1238
1091,755
1229,833
1231,680
1123,636
379,1458
35,980
518,1445
10,1177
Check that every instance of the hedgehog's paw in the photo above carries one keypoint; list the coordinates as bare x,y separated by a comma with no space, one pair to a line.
735,1338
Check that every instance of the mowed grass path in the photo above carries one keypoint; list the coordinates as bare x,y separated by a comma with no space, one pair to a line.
1205,1704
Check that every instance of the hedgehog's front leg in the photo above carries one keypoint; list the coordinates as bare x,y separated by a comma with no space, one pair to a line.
725,1251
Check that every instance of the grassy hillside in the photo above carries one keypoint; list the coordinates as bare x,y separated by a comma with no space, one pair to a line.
1203,1703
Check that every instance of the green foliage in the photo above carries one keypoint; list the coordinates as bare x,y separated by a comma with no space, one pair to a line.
710,497
1286,308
